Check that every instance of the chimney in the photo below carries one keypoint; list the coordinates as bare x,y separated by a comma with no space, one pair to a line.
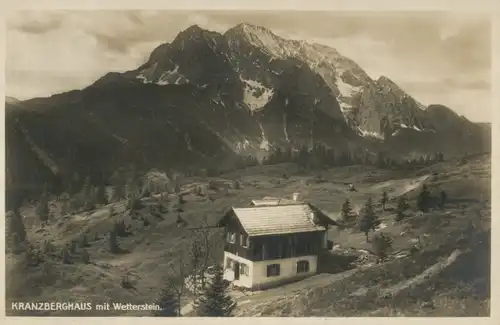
295,196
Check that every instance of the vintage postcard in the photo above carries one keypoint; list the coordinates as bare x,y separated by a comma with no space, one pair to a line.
248,163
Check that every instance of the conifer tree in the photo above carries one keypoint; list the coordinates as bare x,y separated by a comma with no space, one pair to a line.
65,204
66,254
168,302
101,197
216,301
381,244
16,231
346,211
423,199
118,181
86,191
16,225
85,257
443,198
42,208
113,242
401,207
369,221
384,199
84,241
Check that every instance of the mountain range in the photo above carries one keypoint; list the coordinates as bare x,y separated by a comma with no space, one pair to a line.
207,98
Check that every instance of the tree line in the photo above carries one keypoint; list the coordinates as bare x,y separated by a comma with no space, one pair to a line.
320,156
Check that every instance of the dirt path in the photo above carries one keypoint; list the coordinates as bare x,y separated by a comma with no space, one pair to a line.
432,271
293,288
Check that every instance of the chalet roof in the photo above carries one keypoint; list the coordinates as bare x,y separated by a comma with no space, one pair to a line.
277,219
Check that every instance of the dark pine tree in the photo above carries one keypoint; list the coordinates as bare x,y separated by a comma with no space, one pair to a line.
384,199
168,303
303,157
443,197
86,191
346,211
15,228
369,220
42,208
215,300
423,199
100,196
381,244
113,242
401,207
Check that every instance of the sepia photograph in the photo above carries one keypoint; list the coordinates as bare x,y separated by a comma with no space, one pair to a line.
224,163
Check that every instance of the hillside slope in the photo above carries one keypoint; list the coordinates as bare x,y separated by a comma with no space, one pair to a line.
155,247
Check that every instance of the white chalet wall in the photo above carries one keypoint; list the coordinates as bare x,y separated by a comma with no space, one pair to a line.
288,270
245,280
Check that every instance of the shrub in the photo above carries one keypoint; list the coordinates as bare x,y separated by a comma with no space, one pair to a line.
48,247
134,203
83,241
125,283
66,255
85,257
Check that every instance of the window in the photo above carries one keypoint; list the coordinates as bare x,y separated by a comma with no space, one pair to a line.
244,269
231,237
273,270
244,240
302,266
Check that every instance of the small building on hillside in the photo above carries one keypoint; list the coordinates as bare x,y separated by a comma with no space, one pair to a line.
272,242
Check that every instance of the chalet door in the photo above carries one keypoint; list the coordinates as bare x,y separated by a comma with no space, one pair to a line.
236,270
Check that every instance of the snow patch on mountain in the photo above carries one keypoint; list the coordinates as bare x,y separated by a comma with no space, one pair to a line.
255,94
168,77
414,127
346,90
172,77
370,134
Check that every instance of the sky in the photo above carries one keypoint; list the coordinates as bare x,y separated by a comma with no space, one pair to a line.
437,57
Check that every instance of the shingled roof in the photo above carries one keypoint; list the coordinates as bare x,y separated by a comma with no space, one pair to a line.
280,219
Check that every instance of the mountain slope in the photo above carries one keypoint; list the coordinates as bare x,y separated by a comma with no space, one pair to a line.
206,98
